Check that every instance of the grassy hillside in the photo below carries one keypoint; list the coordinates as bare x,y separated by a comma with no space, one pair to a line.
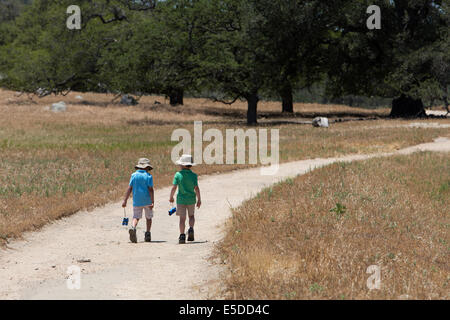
55,164
314,237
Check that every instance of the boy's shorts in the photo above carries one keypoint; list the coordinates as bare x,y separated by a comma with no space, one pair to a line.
182,209
137,212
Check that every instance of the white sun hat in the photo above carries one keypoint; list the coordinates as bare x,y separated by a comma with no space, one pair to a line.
144,164
186,160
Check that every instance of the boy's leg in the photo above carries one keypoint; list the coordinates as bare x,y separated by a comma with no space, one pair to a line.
182,239
181,212
148,235
137,215
191,212
149,225
182,224
191,229
149,217
132,232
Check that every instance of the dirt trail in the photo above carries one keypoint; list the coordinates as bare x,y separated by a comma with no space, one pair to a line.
36,267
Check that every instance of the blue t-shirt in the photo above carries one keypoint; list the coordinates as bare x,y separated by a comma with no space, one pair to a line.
140,182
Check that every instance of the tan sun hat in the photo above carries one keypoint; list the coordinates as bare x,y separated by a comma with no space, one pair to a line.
144,164
186,160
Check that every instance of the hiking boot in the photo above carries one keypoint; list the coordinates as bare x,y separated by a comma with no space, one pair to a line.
148,237
191,234
182,239
133,237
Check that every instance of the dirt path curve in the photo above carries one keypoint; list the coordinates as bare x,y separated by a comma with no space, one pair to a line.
36,267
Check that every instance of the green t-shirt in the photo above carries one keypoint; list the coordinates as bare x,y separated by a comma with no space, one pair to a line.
186,181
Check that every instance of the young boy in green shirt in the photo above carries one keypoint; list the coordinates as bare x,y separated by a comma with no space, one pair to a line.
188,195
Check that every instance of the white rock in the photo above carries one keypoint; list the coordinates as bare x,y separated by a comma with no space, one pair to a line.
437,113
59,107
321,122
42,92
79,98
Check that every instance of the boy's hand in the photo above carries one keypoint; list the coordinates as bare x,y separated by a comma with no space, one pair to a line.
152,206
199,204
124,204
171,200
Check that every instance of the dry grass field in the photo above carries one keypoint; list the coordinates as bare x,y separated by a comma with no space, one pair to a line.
55,164
313,237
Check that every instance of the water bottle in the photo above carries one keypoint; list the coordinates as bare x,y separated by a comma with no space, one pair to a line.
172,210
125,219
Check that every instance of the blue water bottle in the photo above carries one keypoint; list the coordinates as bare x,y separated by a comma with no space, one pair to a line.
125,219
172,210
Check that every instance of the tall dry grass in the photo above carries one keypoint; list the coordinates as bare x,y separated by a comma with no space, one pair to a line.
314,237
55,164
85,110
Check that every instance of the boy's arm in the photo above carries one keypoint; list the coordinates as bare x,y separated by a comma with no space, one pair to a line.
172,193
127,195
152,196
199,198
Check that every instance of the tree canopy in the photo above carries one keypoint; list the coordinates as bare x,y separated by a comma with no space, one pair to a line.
228,49
407,56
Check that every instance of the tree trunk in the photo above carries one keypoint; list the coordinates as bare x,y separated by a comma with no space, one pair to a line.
407,107
252,113
446,104
288,100
176,97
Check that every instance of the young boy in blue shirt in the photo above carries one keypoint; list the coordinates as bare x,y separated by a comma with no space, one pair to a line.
141,185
